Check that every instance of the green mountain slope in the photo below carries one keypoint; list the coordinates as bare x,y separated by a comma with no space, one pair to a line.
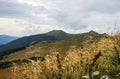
59,34
22,43
54,35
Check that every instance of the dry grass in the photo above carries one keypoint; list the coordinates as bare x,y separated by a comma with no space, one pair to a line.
73,65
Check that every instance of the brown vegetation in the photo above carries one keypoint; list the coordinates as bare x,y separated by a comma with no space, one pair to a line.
73,65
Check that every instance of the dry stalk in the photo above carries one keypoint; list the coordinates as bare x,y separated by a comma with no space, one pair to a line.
94,60
59,67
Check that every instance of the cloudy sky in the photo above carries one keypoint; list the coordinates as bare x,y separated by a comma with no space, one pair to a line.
26,17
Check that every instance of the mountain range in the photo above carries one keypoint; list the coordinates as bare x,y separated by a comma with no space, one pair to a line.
54,35
4,39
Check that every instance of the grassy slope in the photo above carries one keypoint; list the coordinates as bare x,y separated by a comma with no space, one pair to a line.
46,47
24,42
75,63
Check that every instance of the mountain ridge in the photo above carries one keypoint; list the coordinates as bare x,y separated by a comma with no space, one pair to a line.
4,39
54,35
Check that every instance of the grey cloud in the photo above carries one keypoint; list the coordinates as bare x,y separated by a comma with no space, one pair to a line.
104,6
72,14
10,1
14,10
17,10
66,20
108,6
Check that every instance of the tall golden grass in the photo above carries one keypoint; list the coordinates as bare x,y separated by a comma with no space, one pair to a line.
75,64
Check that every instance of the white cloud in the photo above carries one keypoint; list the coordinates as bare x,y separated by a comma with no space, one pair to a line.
9,26
39,16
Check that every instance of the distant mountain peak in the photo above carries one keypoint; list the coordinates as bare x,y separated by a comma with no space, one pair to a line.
93,32
4,39
56,32
4,35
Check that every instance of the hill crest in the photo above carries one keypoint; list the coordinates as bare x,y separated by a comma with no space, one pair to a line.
54,35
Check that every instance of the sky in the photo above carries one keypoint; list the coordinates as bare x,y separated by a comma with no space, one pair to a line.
29,17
